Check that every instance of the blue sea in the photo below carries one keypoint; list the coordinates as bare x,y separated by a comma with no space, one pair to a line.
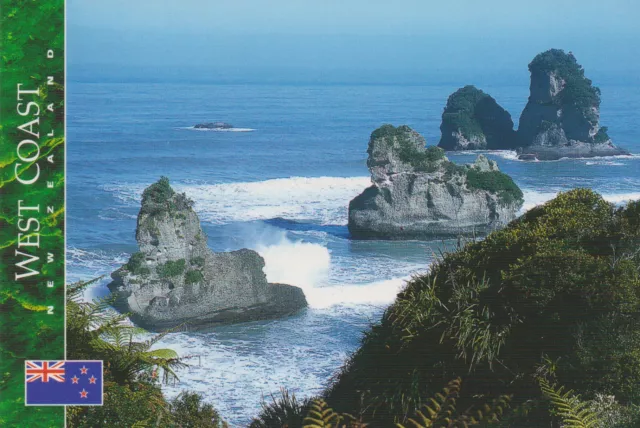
280,184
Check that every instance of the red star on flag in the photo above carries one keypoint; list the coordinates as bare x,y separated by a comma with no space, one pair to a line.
83,370
75,379
92,379
83,393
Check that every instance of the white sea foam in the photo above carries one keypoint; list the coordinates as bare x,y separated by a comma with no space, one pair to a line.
322,200
308,265
318,199
513,156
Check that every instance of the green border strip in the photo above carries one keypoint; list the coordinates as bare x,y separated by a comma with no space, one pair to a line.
32,240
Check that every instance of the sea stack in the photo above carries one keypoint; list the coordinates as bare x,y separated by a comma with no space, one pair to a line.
417,192
473,120
562,116
176,279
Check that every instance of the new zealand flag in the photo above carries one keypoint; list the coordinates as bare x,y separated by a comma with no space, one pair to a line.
63,383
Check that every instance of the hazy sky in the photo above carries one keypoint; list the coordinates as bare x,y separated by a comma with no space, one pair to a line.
360,37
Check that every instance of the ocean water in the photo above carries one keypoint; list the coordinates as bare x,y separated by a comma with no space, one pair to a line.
281,186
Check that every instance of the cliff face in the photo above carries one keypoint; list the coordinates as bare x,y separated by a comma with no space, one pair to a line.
562,116
417,192
176,278
473,120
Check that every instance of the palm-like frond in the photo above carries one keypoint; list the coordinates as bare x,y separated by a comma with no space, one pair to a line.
574,413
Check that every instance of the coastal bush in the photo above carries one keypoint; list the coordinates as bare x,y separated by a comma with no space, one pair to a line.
601,136
495,182
578,90
556,292
135,264
284,411
193,276
160,197
459,113
198,261
171,268
422,159
132,393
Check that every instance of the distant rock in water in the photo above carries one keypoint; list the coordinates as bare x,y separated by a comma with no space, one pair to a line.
418,193
561,118
214,125
176,278
473,120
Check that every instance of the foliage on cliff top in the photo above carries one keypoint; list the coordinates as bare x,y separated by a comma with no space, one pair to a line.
459,112
160,197
556,292
578,90
495,182
421,159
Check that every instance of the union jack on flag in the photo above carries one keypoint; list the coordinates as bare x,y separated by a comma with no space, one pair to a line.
63,383
45,371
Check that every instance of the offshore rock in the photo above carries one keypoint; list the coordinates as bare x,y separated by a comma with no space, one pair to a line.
417,192
562,116
473,120
214,125
176,279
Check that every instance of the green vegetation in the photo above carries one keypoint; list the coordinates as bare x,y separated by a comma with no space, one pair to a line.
422,159
554,296
132,394
171,268
286,411
602,136
198,261
27,330
193,276
135,264
495,182
578,90
160,198
459,112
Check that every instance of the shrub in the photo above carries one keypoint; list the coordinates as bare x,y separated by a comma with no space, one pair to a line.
135,264
193,276
495,182
171,268
601,136
285,411
198,261
422,159
160,197
578,90
188,411
561,281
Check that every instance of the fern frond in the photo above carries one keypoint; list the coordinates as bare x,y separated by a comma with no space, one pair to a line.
574,413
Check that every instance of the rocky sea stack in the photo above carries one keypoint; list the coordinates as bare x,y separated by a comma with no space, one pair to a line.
417,192
561,118
214,125
473,120
175,278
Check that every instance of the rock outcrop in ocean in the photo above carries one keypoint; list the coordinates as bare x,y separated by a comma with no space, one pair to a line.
562,116
175,278
214,125
473,120
417,192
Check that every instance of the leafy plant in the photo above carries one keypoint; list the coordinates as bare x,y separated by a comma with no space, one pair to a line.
283,411
171,268
193,276
573,412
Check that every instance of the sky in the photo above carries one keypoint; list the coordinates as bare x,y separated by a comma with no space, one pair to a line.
359,40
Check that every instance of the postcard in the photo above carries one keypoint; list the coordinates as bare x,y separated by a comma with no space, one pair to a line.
319,214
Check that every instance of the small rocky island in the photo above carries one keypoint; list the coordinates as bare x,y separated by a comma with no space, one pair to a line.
473,120
214,125
562,116
418,193
175,278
